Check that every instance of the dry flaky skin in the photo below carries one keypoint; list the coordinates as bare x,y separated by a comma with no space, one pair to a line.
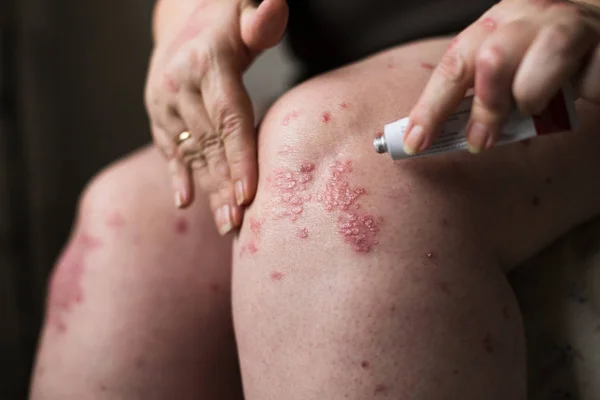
354,277
415,305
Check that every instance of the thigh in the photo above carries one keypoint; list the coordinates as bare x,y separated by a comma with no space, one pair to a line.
139,302
350,267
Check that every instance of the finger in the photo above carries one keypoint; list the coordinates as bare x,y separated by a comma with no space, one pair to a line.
553,57
181,178
206,147
227,215
263,27
230,111
495,67
450,80
588,81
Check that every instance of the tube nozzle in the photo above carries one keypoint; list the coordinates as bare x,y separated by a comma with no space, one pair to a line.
380,145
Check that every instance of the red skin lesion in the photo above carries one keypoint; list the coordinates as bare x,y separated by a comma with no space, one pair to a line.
291,116
115,220
182,226
427,66
66,285
277,276
326,117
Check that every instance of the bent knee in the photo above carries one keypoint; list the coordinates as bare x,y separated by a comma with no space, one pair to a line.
133,197
322,184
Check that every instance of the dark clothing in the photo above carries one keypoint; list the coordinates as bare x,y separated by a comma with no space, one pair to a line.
325,34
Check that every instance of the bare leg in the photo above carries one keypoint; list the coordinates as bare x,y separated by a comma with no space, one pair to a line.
356,277
140,301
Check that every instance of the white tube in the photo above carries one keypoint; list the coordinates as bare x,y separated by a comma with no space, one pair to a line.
559,116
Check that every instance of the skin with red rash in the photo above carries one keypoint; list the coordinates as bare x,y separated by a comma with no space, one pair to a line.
181,226
277,276
489,24
255,226
326,117
115,220
172,85
427,66
66,281
289,189
289,118
378,134
358,229
365,364
302,233
344,106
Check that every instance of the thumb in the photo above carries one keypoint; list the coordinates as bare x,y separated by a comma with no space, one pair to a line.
263,26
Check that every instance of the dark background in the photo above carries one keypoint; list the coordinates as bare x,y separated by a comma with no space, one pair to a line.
71,101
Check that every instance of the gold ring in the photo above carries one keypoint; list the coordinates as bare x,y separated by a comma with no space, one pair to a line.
182,137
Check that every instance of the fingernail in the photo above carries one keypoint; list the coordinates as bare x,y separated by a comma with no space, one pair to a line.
477,136
413,141
225,225
240,194
178,199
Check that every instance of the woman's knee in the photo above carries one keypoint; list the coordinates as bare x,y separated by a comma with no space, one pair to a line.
128,234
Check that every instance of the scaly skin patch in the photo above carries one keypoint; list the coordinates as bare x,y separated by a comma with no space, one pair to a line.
66,287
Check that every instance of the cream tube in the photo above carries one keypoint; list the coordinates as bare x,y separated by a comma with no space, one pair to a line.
559,116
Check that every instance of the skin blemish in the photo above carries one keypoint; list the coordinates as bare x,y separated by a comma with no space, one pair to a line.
358,229
453,43
445,223
289,118
249,247
487,344
277,276
535,201
427,66
115,220
103,388
430,255
365,364
344,106
214,287
181,226
66,287
285,150
393,308
302,233
380,389
171,84
255,226
326,117
390,66
378,134
489,24
252,249
289,189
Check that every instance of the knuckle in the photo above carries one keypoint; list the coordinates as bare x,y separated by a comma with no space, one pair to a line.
491,59
229,121
211,145
453,67
560,38
528,102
